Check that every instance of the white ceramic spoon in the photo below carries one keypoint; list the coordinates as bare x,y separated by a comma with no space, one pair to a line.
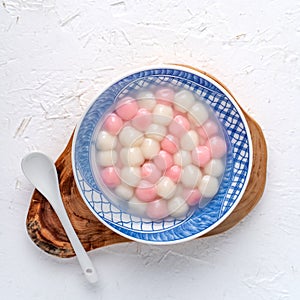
41,172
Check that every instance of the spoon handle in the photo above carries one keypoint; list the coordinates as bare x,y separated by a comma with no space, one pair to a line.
41,172
83,258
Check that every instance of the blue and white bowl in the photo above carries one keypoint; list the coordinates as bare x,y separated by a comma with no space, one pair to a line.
203,218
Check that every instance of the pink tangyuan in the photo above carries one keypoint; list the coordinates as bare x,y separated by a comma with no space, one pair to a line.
202,133
210,128
127,108
217,146
192,197
170,144
163,160
179,126
150,172
146,191
142,119
157,209
174,173
113,124
179,113
201,156
165,96
110,177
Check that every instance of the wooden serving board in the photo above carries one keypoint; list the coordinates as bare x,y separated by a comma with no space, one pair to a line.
45,229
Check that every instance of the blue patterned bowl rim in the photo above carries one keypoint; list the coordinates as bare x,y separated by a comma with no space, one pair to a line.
203,219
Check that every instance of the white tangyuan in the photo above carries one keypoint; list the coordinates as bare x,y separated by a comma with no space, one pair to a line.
190,176
107,158
189,140
124,191
179,189
209,186
137,206
130,137
146,99
156,131
166,188
177,207
132,156
182,158
150,148
184,100
162,114
105,141
131,175
215,167
198,113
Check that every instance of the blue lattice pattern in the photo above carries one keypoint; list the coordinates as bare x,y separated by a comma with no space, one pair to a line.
198,221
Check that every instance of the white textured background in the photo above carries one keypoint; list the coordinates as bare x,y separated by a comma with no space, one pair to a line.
55,56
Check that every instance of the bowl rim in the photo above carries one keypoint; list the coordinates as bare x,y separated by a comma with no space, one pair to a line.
226,92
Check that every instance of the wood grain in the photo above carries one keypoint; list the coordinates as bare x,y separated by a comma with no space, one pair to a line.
45,229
